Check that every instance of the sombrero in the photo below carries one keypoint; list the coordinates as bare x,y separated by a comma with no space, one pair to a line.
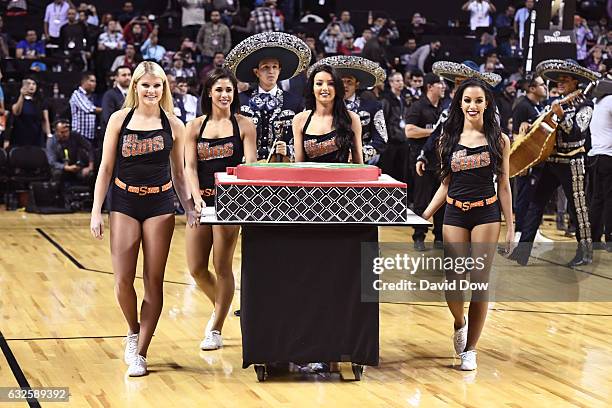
367,73
292,53
553,68
467,69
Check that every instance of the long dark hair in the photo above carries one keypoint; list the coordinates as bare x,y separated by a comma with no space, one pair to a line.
453,127
341,119
212,77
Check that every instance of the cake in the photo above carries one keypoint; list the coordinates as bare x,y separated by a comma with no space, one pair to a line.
309,193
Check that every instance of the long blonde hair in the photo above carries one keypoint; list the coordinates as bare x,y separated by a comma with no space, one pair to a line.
149,67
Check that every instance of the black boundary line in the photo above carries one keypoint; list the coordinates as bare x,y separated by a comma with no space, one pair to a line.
67,338
60,248
516,310
81,266
16,369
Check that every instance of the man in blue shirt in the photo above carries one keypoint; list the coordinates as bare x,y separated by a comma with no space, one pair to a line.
30,47
505,19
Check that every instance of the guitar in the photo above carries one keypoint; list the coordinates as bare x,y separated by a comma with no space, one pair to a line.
538,143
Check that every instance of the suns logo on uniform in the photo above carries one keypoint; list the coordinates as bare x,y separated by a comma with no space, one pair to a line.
461,161
207,152
132,146
316,149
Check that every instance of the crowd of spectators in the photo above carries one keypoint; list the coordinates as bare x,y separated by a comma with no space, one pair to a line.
191,37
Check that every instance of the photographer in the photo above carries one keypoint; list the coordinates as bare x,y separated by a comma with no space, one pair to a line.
73,41
331,37
583,33
70,155
30,116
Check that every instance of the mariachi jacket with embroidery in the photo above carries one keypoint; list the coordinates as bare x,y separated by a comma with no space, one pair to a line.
373,127
273,122
573,130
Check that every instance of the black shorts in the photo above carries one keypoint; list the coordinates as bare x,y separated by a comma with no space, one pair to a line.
473,217
142,207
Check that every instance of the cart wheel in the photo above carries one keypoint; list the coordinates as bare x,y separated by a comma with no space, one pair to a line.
260,370
357,371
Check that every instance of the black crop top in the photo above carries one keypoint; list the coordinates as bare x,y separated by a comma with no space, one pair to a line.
143,156
215,155
322,148
472,170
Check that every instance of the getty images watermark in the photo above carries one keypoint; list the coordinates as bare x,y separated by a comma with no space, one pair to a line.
397,273
407,264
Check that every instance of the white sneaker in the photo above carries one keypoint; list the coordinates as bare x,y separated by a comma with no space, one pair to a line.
460,337
541,238
468,360
209,325
131,348
212,341
138,367
517,236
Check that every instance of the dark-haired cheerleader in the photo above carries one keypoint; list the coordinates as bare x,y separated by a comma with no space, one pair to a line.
326,132
217,140
472,151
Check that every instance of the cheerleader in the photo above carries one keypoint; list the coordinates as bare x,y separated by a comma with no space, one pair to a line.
326,131
472,151
144,145
218,139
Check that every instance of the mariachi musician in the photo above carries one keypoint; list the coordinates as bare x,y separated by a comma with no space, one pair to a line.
565,166
358,73
265,59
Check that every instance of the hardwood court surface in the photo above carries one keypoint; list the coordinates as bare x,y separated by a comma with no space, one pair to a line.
64,328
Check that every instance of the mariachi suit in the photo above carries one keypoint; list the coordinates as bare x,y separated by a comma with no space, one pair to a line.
373,127
273,117
565,167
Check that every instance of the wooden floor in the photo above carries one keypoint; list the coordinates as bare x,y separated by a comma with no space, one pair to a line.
64,328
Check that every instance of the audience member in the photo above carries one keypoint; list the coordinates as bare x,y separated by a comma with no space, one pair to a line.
151,50
113,99
423,53
30,116
193,16
520,18
480,13
213,37
111,38
185,104
583,34
56,15
30,47
70,156
346,28
505,19
366,35
179,69
83,109
129,58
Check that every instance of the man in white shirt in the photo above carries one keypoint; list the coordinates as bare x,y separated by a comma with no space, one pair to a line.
185,104
600,158
480,13
56,15
520,18
365,37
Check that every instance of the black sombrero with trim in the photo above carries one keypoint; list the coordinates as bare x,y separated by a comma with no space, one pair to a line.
553,68
292,53
366,72
467,69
